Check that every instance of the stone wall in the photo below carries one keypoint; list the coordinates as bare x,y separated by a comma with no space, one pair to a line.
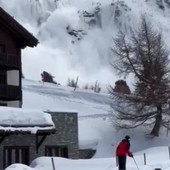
66,132
86,153
18,140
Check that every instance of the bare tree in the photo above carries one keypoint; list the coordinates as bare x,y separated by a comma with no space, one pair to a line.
145,56
73,83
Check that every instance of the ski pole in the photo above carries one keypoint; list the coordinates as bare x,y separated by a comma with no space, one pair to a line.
135,163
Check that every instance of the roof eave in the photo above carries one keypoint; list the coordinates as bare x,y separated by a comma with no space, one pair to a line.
24,132
25,35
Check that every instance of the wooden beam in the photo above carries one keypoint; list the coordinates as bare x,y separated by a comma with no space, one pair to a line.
39,141
2,138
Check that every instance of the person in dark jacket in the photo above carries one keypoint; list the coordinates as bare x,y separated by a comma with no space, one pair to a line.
123,149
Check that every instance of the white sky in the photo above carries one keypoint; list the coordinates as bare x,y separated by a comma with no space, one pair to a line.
95,131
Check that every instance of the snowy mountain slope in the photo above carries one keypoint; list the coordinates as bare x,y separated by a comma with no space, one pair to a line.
75,36
96,130
47,96
92,108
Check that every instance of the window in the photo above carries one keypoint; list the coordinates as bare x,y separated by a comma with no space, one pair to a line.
60,151
3,77
2,48
16,154
3,104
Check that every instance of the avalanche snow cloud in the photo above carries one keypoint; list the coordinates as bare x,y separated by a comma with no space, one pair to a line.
76,36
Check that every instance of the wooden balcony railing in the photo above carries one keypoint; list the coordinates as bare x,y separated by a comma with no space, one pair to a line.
9,60
9,92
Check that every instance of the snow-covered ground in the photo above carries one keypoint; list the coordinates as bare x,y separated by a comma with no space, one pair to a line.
95,131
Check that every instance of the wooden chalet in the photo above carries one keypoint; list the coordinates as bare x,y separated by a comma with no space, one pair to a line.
13,38
23,142
26,134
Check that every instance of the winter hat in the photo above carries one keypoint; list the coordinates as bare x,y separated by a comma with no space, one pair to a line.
127,137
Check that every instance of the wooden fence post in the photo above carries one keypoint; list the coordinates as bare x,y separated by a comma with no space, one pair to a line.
169,151
144,159
53,165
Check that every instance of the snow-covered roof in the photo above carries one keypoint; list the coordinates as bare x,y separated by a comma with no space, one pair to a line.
24,120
